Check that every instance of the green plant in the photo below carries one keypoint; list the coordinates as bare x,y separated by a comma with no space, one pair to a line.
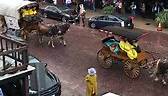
162,18
108,9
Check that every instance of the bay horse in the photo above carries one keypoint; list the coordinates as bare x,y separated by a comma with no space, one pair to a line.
160,70
49,30
53,31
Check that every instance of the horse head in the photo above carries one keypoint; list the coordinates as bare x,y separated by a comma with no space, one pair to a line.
63,28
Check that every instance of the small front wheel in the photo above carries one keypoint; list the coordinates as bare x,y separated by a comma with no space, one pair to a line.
103,58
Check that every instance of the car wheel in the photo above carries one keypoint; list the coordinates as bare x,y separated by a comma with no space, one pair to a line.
93,25
64,19
45,15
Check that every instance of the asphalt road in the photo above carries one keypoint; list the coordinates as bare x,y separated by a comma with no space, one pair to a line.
71,62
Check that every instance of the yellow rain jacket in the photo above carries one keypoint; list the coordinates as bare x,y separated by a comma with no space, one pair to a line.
129,49
25,12
31,12
91,85
34,12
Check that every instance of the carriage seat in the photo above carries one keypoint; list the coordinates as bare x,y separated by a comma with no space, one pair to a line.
112,43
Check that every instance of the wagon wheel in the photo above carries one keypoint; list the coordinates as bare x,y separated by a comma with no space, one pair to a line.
103,58
131,68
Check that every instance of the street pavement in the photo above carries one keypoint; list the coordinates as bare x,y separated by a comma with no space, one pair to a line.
70,63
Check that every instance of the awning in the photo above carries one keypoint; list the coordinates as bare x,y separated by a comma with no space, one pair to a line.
11,7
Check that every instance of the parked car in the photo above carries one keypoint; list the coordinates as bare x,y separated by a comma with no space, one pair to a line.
42,82
59,12
110,20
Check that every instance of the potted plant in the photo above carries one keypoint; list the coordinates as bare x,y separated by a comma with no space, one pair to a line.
109,9
162,18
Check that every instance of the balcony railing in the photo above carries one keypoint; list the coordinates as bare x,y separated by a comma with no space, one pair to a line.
13,55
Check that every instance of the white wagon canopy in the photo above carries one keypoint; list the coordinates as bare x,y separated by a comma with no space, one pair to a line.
11,8
15,11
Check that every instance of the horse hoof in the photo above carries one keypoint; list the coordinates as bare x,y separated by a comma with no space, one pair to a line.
64,43
53,46
156,79
164,82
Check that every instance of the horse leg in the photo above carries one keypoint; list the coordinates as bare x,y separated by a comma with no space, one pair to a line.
41,39
49,41
63,40
25,36
52,41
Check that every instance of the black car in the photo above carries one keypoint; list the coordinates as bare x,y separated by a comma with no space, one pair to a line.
110,20
42,82
59,12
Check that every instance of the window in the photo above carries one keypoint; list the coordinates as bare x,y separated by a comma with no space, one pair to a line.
113,19
52,8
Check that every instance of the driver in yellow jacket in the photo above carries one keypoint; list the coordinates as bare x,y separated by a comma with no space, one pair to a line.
91,82
128,48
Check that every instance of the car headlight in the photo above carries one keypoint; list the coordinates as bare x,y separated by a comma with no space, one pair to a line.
76,18
67,15
122,24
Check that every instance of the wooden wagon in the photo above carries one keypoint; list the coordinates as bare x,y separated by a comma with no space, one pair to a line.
131,66
17,15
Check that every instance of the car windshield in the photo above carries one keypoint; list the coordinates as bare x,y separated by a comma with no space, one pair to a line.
52,8
45,79
122,18
63,8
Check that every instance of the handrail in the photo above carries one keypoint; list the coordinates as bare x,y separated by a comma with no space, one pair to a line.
15,50
11,40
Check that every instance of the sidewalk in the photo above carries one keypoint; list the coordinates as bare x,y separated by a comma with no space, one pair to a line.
139,22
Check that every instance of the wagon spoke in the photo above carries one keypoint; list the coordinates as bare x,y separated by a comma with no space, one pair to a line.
131,69
104,58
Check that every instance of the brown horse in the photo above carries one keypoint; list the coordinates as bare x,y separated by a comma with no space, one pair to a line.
160,70
49,30
53,31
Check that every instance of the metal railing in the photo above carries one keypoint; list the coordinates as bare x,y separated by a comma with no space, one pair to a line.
12,51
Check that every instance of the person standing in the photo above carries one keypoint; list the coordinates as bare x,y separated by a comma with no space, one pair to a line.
68,3
93,5
91,82
55,2
118,6
82,14
133,8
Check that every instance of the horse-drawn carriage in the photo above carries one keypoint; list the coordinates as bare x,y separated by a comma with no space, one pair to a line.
22,17
122,47
17,14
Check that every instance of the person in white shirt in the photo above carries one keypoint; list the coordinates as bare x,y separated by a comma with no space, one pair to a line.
82,14
68,3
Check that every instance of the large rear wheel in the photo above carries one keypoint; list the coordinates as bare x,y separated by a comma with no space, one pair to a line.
131,68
